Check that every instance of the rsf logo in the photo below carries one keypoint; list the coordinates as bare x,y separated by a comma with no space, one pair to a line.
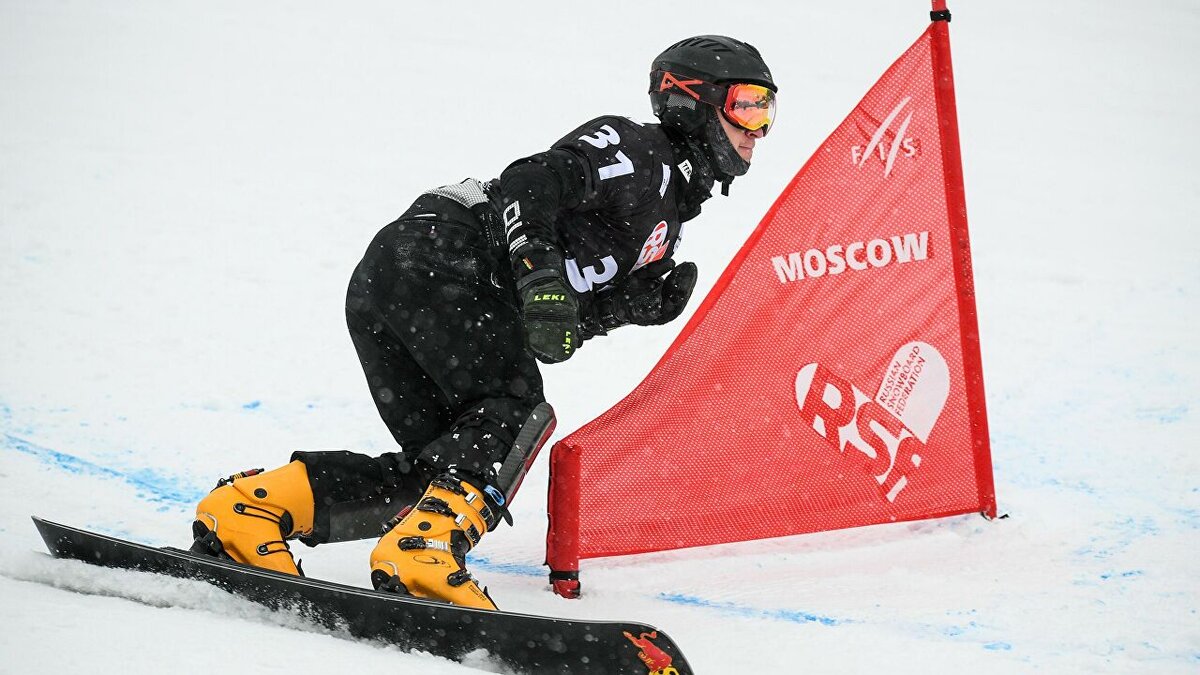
654,248
890,430
885,148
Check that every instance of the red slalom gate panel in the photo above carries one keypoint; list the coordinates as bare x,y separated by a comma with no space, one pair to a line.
831,378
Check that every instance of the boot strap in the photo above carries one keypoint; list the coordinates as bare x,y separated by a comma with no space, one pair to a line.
222,482
483,510
435,505
448,484
442,508
471,531
459,577
418,543
486,511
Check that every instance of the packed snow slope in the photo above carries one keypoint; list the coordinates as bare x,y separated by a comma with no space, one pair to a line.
185,187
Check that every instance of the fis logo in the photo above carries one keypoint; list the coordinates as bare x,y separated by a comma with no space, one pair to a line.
889,430
888,149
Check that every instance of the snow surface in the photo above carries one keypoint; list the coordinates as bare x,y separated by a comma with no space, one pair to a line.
185,187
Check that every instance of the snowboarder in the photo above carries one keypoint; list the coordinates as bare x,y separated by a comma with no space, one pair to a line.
455,301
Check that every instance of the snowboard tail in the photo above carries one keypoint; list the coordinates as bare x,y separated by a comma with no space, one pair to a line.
528,643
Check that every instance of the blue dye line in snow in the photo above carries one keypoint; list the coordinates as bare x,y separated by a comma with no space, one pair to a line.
515,569
251,405
1127,574
1162,414
792,615
1189,517
154,486
955,631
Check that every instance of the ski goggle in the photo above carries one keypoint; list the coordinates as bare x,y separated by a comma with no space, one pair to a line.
750,106
747,106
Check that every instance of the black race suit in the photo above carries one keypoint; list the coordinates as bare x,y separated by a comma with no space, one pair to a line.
433,312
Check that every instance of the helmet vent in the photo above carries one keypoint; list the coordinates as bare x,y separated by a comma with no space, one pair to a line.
702,43
709,44
674,99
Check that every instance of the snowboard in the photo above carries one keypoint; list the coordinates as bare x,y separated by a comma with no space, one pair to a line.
526,643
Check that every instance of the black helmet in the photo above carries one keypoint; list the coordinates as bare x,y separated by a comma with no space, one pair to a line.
712,59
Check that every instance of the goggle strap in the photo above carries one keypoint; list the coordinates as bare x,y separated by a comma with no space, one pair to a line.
720,97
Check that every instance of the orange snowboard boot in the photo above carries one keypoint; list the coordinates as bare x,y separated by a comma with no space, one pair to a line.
250,515
424,552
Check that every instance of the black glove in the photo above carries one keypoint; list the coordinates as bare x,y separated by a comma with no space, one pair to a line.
651,296
548,306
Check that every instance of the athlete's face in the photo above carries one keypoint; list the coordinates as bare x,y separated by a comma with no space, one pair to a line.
741,139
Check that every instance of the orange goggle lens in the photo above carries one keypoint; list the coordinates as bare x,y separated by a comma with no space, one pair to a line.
750,106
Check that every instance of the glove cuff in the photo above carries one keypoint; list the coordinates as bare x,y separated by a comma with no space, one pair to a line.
536,276
536,261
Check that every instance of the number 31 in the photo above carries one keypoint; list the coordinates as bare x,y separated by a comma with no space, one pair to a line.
601,139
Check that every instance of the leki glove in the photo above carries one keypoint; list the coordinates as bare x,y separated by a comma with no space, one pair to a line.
548,306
